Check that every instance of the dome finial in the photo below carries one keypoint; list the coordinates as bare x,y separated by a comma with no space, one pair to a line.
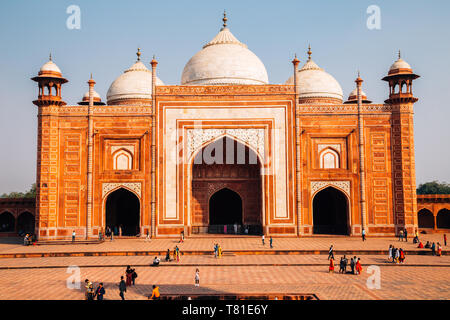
50,57
224,19
399,55
309,52
138,53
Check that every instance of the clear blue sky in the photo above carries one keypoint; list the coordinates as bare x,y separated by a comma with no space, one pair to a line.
175,30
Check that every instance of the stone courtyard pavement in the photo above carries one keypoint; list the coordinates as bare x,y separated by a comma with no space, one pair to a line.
227,243
421,277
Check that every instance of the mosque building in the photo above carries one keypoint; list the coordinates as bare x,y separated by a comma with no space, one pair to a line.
225,148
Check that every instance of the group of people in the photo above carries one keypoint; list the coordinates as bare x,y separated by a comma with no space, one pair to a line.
263,240
217,250
355,263
90,294
436,248
29,239
396,255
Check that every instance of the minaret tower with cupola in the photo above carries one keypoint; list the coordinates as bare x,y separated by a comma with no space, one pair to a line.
49,101
400,78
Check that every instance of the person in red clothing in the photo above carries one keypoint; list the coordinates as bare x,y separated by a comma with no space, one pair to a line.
331,268
445,239
358,267
420,245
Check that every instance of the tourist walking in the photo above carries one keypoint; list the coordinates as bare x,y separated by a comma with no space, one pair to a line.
100,291
271,243
345,262
390,257
439,249
352,265
363,234
400,235
129,274
147,237
262,239
197,278
341,265
122,288
73,236
177,253
89,290
330,253
433,249
219,250
331,267
397,255
405,234
216,249
445,239
155,293
401,255
168,255
358,267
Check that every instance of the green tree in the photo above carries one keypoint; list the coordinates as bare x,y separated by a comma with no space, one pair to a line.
434,187
29,194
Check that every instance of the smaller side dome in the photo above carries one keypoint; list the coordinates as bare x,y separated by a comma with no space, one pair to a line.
353,97
50,69
400,67
133,86
316,85
97,99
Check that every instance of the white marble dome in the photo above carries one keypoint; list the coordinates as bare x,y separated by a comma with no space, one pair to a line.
86,95
354,93
50,66
400,66
314,82
134,83
224,61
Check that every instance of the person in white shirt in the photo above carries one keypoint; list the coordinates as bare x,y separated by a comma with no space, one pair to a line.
197,277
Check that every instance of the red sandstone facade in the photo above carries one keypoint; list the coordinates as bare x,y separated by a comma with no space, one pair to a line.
388,152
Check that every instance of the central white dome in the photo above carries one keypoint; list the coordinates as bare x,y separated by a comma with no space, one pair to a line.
224,61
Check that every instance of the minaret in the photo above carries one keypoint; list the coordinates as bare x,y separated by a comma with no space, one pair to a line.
153,63
50,81
89,188
400,78
295,63
362,169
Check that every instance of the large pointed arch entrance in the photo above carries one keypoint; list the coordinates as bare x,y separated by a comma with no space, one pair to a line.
226,189
122,209
330,212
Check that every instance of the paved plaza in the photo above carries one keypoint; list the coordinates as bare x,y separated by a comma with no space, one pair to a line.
420,277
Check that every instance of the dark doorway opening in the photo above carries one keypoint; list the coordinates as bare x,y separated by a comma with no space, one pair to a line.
122,209
225,208
443,219
426,219
7,222
25,223
330,212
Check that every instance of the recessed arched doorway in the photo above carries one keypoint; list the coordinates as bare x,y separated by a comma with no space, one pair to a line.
7,222
443,219
225,207
25,223
226,189
123,210
330,212
425,219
